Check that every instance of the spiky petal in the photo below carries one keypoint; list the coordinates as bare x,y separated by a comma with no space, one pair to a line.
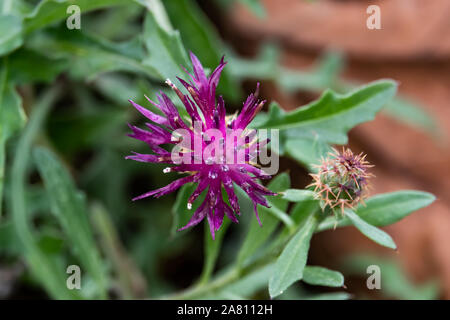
216,178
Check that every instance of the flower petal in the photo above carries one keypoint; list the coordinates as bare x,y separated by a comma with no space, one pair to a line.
167,189
148,114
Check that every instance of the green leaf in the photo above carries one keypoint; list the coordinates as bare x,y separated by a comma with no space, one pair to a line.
371,232
302,210
385,209
413,114
12,117
291,263
199,36
46,268
309,130
297,195
50,243
12,39
321,77
15,7
89,55
257,236
263,66
307,150
281,215
48,12
166,53
266,66
8,240
249,284
71,133
30,66
333,115
319,276
330,296
69,208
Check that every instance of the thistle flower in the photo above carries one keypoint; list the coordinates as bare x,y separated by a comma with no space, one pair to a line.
204,114
341,180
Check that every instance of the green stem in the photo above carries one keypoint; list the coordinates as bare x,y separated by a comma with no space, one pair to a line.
132,282
201,289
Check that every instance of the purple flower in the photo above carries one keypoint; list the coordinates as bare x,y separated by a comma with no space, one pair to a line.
217,172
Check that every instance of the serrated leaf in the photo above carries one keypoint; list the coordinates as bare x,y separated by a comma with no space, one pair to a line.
256,235
320,276
333,114
371,232
322,77
385,209
291,263
69,208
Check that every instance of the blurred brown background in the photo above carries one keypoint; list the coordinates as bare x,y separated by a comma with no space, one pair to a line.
413,47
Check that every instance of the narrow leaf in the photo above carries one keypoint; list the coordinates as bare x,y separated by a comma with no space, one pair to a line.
320,276
296,195
50,11
47,269
165,49
12,39
250,284
90,55
371,232
290,264
69,208
385,209
256,236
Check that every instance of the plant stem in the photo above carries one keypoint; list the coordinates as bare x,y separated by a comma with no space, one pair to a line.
132,282
201,288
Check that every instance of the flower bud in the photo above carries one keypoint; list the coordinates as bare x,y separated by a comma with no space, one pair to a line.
341,180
